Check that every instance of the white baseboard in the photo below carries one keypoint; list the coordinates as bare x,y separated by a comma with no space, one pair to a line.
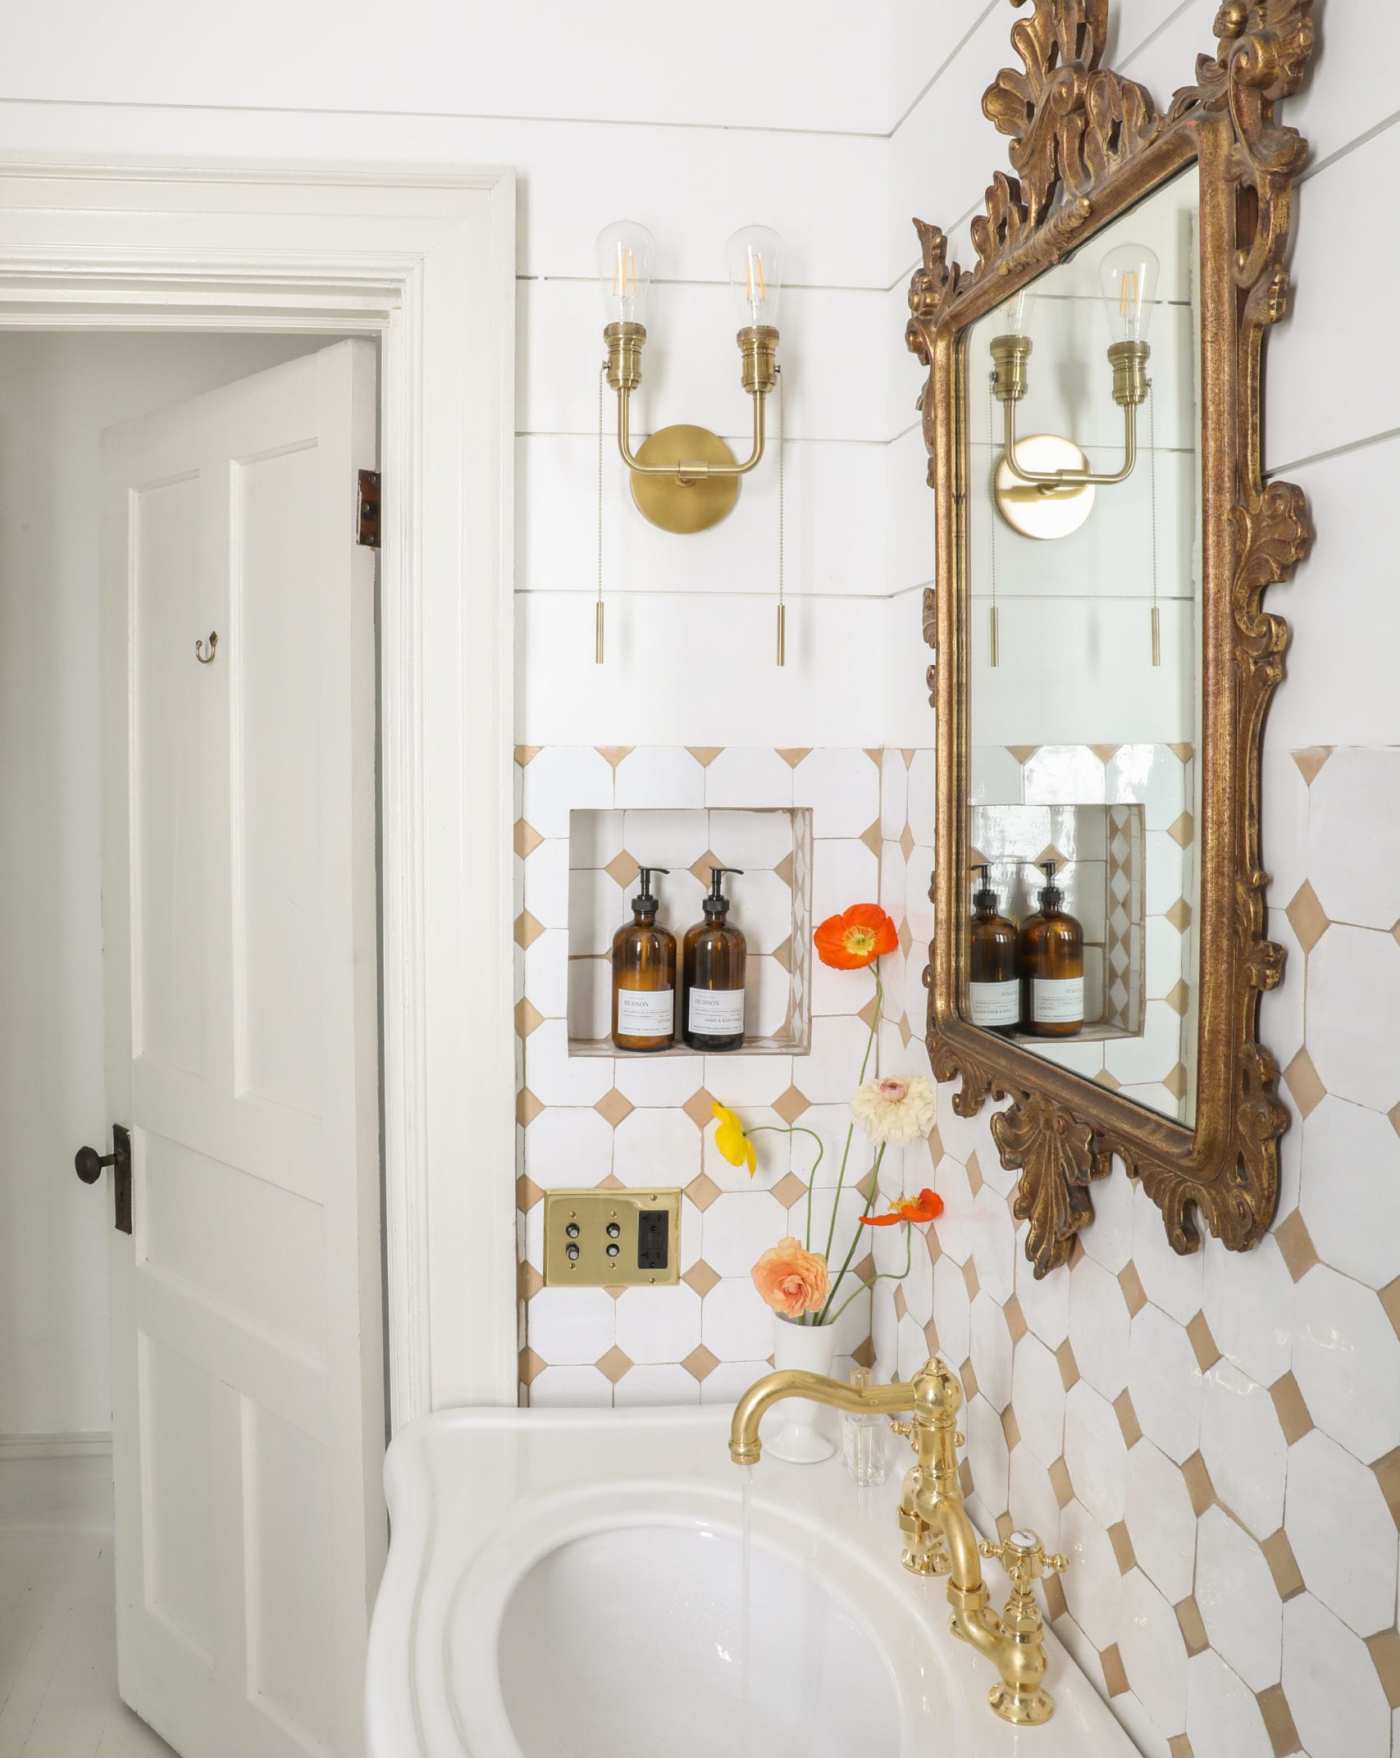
86,1444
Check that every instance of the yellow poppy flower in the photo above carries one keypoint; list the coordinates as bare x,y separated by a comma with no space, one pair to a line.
731,1140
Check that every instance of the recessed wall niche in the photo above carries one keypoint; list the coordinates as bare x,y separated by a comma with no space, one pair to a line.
771,904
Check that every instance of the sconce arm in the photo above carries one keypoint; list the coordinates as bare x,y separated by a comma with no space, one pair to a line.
1049,479
689,472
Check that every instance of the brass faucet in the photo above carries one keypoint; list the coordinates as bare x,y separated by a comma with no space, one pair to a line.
939,1537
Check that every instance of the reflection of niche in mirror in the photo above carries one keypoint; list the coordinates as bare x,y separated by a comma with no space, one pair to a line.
1085,678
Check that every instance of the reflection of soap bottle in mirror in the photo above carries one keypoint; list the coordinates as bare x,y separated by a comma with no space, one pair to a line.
993,987
713,959
1052,966
644,976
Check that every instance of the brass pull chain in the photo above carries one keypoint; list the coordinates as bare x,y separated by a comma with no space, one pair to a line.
598,611
993,623
1152,470
782,522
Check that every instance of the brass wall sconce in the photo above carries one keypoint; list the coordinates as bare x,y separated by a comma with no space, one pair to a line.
1047,489
685,478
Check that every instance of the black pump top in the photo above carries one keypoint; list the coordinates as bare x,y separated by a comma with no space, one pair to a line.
716,903
984,898
1050,896
645,900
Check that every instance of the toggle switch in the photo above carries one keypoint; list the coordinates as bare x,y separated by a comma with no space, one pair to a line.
611,1238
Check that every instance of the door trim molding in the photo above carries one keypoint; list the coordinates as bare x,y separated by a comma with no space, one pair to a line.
424,258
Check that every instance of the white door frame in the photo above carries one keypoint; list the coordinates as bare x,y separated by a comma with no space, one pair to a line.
424,258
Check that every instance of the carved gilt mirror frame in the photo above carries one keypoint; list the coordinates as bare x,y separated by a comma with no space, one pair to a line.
1087,145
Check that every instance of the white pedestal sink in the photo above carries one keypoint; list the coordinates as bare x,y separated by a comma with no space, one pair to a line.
571,1584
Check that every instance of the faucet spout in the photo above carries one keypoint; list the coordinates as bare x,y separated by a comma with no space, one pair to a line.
745,1448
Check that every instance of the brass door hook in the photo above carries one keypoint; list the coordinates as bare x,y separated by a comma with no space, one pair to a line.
213,646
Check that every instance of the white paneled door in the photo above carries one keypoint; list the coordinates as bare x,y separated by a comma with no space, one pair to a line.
242,1051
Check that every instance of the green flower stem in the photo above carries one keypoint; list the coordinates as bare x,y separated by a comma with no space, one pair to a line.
855,1240
798,1129
850,1127
885,1275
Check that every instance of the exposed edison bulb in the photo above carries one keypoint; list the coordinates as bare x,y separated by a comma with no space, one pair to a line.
1013,317
754,256
1128,280
626,253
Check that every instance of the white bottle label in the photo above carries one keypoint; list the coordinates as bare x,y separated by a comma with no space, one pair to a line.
718,1013
1057,1000
646,1013
994,1004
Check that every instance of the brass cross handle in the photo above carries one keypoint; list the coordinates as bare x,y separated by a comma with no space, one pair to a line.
906,1429
1025,1559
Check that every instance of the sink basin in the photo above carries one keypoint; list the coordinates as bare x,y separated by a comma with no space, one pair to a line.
649,1651
576,1584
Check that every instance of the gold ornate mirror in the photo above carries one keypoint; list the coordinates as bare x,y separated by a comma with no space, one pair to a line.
1103,661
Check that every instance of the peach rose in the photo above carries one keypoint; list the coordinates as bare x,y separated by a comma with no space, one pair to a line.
791,1279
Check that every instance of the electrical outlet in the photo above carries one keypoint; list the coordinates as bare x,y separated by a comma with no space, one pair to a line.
611,1238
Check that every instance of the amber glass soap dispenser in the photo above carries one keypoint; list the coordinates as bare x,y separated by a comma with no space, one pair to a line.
993,986
713,961
1052,966
644,976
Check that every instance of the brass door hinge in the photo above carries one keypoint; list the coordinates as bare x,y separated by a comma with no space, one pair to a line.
368,521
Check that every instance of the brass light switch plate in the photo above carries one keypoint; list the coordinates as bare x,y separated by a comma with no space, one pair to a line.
611,1238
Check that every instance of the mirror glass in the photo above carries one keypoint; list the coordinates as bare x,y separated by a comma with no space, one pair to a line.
1085,641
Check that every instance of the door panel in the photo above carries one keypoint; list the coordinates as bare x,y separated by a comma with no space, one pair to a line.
240,928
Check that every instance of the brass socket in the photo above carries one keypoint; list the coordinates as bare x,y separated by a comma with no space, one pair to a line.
625,343
758,352
1130,381
1009,357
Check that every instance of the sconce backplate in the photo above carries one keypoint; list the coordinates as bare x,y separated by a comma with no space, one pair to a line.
1044,513
673,502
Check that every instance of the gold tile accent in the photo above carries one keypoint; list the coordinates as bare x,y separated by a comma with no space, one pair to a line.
1295,1245
975,1179
1387,1470
1015,1319
1115,1676
906,1031
701,1362
906,842
1385,1657
1394,1115
527,838
1133,1291
872,839
869,1015
1104,1079
1122,1546
704,755
1184,752
700,869
1310,758
791,1104
1104,753
792,755
931,1337
1293,1415
785,870
611,1182
1198,1484
1390,1301
931,1245
968,1375
864,1353
1023,753
1179,1746
526,754
1192,1626
970,1282
1069,1367
1127,1419
1283,1565
1051,853
614,1106
623,868
1011,1429
613,1364
783,954
1306,916
527,929
1278,1722
965,1477
901,1305
1179,915
1304,1083
1005,1526
875,754
702,1191
789,1189
1176,1082
1055,1603
936,1149
1207,1352
1060,1483
528,1280
864,1271
531,1367
699,1108
615,1290
527,1194
701,1278
614,754
1183,830
1178,998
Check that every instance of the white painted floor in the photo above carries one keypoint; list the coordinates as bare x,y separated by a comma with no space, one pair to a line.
58,1657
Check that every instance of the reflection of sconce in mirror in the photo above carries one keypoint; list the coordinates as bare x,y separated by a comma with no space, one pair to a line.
686,478
1043,485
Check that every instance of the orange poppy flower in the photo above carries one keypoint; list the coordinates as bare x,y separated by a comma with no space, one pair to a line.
926,1206
855,938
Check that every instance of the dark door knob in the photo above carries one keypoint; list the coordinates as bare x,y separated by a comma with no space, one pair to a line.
88,1164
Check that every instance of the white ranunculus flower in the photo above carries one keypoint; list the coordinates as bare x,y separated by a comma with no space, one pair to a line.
896,1110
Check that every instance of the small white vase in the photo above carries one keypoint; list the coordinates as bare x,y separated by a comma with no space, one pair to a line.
799,1441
